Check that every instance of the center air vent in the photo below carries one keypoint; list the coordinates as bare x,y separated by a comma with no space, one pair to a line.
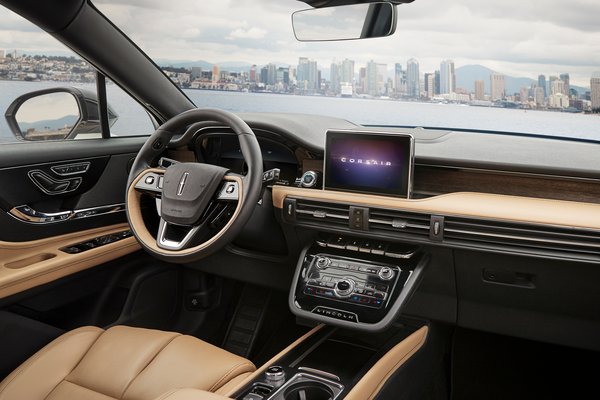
330,214
383,222
399,222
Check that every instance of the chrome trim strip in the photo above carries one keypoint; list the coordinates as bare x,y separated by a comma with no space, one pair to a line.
28,214
315,371
85,164
167,244
322,215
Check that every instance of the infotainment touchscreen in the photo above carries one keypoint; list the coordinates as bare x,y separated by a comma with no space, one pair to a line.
369,162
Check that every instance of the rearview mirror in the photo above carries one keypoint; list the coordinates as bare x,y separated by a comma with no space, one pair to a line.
350,22
56,114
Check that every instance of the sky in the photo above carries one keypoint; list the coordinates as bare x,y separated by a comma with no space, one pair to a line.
515,37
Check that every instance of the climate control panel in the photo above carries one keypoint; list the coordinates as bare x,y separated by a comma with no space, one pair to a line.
351,281
333,285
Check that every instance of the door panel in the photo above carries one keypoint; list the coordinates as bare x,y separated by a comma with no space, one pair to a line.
45,236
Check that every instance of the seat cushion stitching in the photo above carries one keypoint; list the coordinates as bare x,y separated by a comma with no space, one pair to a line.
220,383
36,356
147,365
81,386
76,365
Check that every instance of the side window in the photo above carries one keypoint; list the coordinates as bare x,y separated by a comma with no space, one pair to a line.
49,93
133,119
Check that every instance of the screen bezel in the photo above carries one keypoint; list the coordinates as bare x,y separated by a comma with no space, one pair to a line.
366,134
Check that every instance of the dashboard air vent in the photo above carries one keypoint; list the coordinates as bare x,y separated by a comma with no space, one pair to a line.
330,214
550,238
399,222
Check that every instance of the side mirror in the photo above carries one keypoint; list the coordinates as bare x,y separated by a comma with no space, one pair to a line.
348,22
56,114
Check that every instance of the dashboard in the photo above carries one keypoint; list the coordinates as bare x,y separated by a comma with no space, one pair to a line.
494,222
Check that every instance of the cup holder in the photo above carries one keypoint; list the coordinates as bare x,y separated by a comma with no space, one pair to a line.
308,391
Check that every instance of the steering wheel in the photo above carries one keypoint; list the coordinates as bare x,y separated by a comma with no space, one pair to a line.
202,207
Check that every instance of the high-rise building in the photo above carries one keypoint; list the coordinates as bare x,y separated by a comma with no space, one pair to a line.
567,82
497,86
542,84
595,92
334,77
264,75
215,73
447,77
413,82
437,82
551,79
371,78
524,95
362,79
283,75
399,79
429,83
539,96
557,86
307,74
252,73
376,75
347,72
1,55
479,90
272,74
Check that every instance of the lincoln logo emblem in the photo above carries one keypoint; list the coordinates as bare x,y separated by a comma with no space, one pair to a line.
182,183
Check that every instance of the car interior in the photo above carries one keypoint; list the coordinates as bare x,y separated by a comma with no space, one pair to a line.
266,255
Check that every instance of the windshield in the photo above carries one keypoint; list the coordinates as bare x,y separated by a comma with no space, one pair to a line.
513,66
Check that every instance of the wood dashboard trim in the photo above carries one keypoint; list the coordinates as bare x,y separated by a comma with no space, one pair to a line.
465,204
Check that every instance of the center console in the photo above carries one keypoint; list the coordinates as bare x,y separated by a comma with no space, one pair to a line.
334,364
354,283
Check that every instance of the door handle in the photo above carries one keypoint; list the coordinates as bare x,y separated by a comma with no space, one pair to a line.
52,186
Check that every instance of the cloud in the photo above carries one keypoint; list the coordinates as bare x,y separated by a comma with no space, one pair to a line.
517,37
252,33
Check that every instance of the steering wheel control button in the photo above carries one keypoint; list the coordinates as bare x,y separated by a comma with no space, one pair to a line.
149,180
344,288
386,273
323,262
229,192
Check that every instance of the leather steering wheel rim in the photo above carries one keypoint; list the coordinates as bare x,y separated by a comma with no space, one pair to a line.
250,185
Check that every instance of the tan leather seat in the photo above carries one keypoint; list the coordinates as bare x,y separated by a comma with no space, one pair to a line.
127,363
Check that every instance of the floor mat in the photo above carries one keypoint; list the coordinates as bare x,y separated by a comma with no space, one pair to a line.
488,366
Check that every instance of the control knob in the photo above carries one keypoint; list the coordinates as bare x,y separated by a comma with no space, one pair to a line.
323,262
344,287
275,375
309,179
386,273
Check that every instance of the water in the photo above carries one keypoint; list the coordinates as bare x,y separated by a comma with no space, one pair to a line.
134,121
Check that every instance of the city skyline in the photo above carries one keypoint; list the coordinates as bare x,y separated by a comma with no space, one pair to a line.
305,78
